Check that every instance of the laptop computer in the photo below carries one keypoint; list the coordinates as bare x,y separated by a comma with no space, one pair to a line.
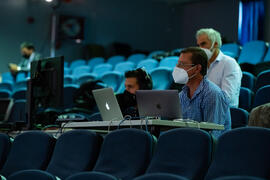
164,104
107,104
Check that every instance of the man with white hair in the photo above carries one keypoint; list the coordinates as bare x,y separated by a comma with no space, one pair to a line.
223,70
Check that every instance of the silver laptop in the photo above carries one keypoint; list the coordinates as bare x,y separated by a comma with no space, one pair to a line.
159,103
107,104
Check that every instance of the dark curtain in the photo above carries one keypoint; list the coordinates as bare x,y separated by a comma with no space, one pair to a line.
251,17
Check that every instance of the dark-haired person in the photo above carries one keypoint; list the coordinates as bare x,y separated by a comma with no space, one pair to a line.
223,70
201,99
28,55
137,79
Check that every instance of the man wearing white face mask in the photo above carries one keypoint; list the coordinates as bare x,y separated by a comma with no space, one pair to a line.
223,70
201,99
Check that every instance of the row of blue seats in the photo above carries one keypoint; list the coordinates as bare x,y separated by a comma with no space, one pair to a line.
254,83
252,52
128,153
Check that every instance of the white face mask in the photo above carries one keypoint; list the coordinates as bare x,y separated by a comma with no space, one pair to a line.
181,76
208,53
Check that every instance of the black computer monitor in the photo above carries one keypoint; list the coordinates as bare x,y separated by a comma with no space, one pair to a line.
45,88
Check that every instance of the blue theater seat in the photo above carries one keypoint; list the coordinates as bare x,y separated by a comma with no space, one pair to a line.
76,63
95,61
161,77
248,80
242,151
160,176
231,49
113,60
122,67
184,152
239,178
169,62
148,64
136,58
263,79
30,150
125,153
262,96
239,117
91,175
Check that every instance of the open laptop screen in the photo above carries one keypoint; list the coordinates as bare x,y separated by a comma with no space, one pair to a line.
107,104
159,103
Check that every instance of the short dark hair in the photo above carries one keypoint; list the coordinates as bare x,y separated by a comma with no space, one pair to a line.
198,57
27,45
143,78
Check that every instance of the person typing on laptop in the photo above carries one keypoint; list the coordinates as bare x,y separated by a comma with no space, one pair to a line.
137,79
201,99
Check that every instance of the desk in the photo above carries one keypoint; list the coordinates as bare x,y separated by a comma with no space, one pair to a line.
154,126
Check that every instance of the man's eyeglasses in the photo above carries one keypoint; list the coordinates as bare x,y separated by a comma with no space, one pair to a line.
181,64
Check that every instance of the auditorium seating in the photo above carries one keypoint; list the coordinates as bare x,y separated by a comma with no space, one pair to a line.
148,64
248,80
231,49
125,153
113,60
5,145
69,90
160,176
169,62
100,69
253,52
242,151
124,66
30,150
91,176
136,58
154,53
246,98
95,61
6,85
239,117
76,63
262,96
185,152
31,174
162,78
112,79
4,93
239,178
263,79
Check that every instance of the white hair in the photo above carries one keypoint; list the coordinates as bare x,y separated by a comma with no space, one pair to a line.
213,35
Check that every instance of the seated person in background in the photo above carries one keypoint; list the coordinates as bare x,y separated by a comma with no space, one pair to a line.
137,79
260,116
28,55
223,70
201,99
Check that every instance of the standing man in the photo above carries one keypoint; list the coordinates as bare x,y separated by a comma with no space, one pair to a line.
223,70
28,55
201,100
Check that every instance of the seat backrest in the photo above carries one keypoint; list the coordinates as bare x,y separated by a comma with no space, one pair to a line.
32,174
161,77
155,53
7,77
122,67
245,98
136,58
19,93
252,52
75,151
239,178
169,62
76,63
69,90
5,145
95,61
18,112
148,64
267,56
187,152
231,49
112,79
262,96
160,176
242,151
263,78
80,70
100,69
91,175
125,153
248,80
4,93
113,60
239,117
30,150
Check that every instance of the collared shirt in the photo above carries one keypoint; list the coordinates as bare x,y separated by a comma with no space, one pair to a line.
225,72
208,104
25,64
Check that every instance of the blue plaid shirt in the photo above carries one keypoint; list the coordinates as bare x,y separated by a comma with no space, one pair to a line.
208,104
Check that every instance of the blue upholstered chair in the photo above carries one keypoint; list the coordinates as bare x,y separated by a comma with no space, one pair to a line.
113,60
91,175
136,58
76,63
122,67
242,151
262,96
160,176
169,62
30,150
31,174
245,98
239,178
125,153
248,80
263,79
231,49
148,64
95,61
239,117
252,52
5,145
185,152
161,77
